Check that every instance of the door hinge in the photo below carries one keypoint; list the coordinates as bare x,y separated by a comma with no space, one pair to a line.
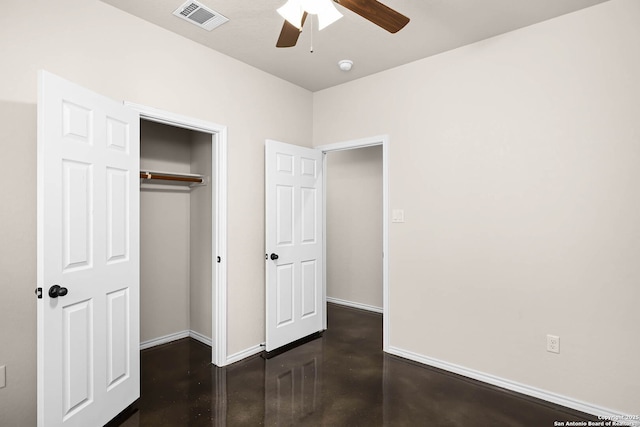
219,260
39,293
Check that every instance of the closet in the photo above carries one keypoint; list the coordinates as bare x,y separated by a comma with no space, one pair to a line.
176,236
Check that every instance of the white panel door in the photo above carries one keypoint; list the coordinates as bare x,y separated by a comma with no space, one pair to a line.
88,255
294,268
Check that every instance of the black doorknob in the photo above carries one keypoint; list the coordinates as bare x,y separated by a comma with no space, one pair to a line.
57,291
274,256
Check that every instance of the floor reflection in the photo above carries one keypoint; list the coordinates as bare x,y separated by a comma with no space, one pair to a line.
340,379
293,381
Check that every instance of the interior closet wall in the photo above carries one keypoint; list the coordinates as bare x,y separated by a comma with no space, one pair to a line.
175,235
202,237
354,226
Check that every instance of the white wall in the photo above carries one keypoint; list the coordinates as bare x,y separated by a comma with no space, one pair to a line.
125,58
354,226
516,160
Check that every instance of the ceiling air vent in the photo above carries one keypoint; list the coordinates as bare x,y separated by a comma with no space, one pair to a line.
200,15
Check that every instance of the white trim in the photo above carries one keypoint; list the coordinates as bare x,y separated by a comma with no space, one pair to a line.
362,143
172,119
324,241
386,253
352,304
510,385
219,270
355,143
164,339
236,357
199,337
40,357
219,305
174,337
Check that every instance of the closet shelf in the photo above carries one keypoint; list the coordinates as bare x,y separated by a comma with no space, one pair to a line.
187,178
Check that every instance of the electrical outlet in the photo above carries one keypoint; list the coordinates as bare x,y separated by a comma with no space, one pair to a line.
3,376
553,343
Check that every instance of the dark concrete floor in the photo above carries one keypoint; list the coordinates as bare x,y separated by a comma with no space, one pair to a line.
340,379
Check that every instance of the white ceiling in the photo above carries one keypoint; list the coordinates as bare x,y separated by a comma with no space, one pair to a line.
436,26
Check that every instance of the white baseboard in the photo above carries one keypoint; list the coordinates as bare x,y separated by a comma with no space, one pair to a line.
355,304
176,336
163,340
548,396
236,357
202,338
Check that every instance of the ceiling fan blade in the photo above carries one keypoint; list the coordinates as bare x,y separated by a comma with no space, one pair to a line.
289,34
376,12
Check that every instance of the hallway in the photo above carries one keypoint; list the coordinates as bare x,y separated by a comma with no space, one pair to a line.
341,379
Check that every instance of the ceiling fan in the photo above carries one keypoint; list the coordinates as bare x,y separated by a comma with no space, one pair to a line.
371,10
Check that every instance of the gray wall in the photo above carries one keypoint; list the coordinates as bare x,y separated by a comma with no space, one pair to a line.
354,226
516,161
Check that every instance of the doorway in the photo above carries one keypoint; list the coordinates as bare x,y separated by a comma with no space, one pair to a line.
208,143
354,227
382,142
176,236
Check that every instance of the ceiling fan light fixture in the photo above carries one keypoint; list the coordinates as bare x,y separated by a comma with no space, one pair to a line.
325,11
293,10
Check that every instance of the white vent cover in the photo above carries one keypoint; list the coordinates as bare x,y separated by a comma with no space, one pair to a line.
200,15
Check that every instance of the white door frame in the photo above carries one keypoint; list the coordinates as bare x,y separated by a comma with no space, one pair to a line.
382,140
219,217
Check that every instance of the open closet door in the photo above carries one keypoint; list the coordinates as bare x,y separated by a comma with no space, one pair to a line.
294,302
88,255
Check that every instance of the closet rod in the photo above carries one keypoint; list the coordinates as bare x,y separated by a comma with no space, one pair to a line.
171,177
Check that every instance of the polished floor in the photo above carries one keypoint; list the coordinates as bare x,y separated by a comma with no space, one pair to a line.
340,379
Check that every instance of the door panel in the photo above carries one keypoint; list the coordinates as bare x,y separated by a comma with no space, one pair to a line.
77,230
284,300
88,244
309,219
76,122
118,326
294,234
117,135
284,214
309,288
77,359
117,214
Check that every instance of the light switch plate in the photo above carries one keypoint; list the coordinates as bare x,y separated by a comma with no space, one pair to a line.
3,376
397,215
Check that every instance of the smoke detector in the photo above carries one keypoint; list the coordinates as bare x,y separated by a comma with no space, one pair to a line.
345,64
200,15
